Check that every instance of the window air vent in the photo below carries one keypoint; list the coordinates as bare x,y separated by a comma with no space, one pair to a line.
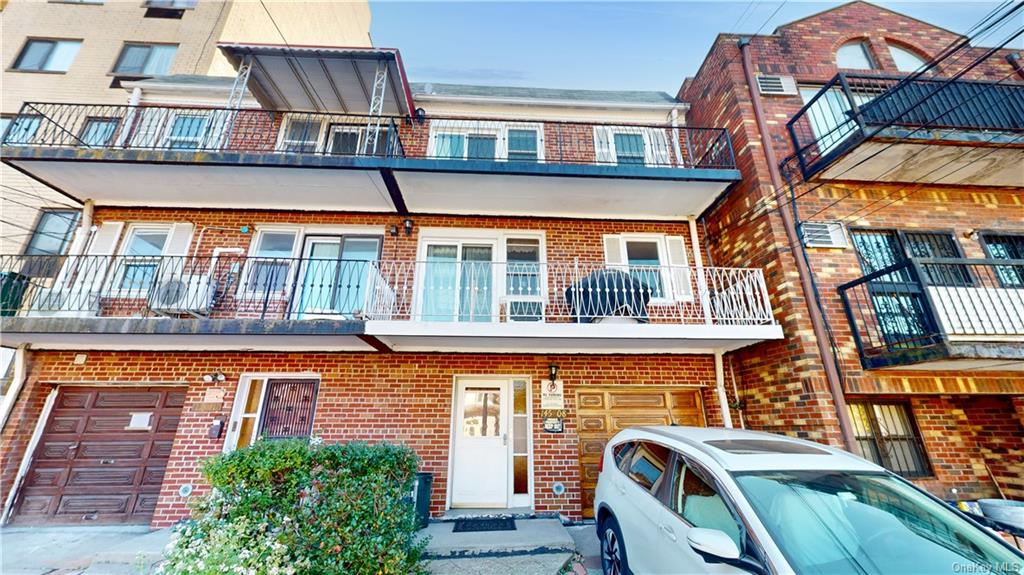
823,235
776,86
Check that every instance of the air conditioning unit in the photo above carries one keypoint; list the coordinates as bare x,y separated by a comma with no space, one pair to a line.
823,234
777,86
191,294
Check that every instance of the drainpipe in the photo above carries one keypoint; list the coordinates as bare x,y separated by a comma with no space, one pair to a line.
723,400
77,246
17,382
803,268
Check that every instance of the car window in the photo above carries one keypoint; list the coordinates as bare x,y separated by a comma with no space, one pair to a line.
696,501
647,464
621,452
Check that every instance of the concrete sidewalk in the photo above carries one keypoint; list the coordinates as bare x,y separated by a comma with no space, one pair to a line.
536,547
88,550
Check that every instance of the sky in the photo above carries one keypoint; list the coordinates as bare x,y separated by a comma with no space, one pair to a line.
621,45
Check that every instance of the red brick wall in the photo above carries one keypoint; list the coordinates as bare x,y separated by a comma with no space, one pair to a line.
783,382
396,397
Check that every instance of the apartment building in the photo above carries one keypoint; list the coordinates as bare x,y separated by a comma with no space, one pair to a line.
501,278
909,210
85,50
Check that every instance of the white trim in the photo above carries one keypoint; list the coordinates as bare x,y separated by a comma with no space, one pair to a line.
123,260
250,257
26,458
498,129
242,391
318,143
668,296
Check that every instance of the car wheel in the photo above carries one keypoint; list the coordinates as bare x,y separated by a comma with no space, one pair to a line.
613,552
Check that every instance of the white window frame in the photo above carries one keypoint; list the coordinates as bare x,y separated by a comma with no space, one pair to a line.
650,136
498,240
282,136
360,130
198,141
123,259
664,265
238,404
483,128
244,289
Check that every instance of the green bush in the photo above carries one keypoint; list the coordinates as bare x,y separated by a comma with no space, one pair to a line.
295,507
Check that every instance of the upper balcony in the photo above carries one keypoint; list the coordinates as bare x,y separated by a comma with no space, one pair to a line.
231,301
226,158
939,313
925,130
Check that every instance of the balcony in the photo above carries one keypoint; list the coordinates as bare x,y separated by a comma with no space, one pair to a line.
232,301
939,313
926,130
217,158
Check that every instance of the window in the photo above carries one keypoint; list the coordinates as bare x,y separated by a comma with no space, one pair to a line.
481,414
270,261
647,465
345,140
1006,247
522,145
656,265
187,132
629,148
141,257
47,55
20,129
458,282
644,262
465,146
623,454
98,132
520,439
855,55
523,280
695,500
50,237
338,276
887,435
145,59
906,61
879,249
301,136
271,409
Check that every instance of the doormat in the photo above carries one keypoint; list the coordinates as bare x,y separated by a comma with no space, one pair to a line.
484,524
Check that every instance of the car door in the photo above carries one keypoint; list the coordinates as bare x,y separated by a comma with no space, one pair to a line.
644,469
692,499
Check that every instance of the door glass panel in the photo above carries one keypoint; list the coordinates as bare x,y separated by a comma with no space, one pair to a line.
519,434
345,142
357,255
520,475
644,265
481,412
321,272
522,280
450,146
439,281
475,289
519,397
245,431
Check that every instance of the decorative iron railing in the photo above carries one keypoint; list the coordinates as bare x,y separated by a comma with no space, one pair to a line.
920,302
234,286
853,107
204,129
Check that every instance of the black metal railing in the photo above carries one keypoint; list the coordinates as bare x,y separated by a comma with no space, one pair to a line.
234,286
178,128
853,107
920,302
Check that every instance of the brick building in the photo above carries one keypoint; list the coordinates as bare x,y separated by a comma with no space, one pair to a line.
903,213
499,277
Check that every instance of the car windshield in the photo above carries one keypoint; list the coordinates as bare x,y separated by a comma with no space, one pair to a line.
848,522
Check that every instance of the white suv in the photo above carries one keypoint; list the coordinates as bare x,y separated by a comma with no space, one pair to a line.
700,500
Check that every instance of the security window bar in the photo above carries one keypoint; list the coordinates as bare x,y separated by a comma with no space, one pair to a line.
288,408
302,136
187,132
938,245
47,55
1006,247
887,435
145,59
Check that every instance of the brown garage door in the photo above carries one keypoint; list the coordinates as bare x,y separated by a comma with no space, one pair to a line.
102,456
604,411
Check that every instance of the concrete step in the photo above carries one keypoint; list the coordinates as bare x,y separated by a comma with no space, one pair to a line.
535,536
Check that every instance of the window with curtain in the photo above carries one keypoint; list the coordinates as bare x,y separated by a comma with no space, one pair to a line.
457,283
98,131
523,280
41,55
906,61
522,145
855,56
450,146
1006,247
629,148
145,59
481,146
887,436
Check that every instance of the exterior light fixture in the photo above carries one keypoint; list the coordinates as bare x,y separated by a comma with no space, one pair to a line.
215,376
553,372
393,230
407,224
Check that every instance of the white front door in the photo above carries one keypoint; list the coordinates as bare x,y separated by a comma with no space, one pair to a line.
481,444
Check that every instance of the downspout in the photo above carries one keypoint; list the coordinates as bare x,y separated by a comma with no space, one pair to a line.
723,399
817,320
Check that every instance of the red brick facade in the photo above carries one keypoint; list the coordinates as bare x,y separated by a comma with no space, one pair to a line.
743,230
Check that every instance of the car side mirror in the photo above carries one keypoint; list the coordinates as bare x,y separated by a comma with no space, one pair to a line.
713,544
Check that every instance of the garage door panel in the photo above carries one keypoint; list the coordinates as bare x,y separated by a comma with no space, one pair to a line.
88,468
80,505
103,476
121,399
603,411
65,424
